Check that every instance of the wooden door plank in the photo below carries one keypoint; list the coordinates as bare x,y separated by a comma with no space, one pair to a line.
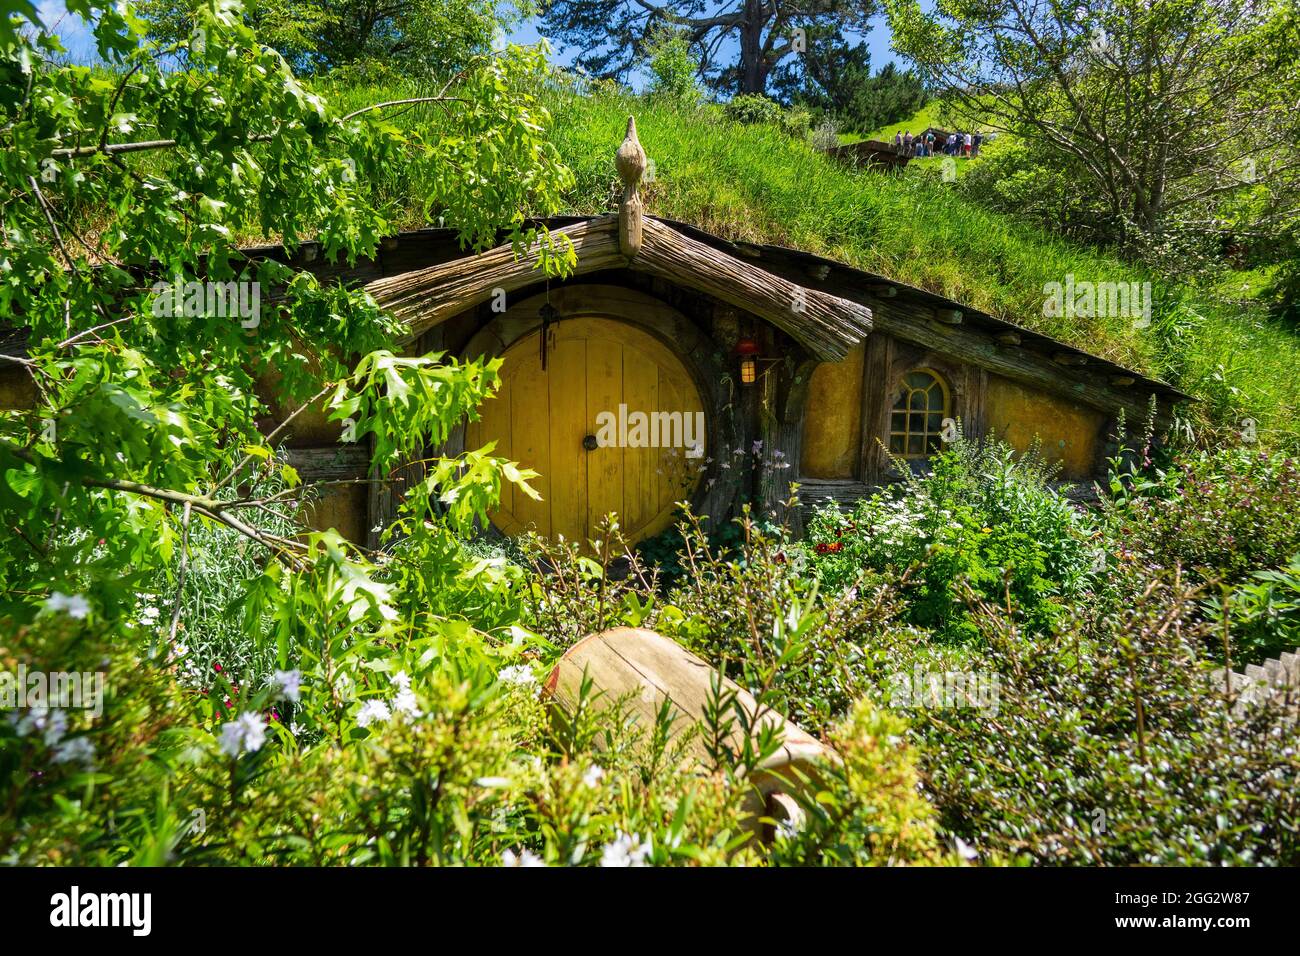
604,465
641,484
495,424
566,376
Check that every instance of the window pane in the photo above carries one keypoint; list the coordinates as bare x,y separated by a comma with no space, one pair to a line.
934,422
918,400
915,445
896,444
936,399
898,421
919,380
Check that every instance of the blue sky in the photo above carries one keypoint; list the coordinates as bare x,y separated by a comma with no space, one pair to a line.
76,36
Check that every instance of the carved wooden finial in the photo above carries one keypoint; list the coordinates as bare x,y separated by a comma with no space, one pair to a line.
630,162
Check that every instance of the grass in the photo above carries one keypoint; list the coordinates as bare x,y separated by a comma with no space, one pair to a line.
927,116
757,183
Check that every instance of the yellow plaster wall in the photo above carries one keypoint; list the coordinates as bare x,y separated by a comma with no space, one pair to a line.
1068,432
832,431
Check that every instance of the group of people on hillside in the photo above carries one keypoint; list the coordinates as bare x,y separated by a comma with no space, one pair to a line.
954,144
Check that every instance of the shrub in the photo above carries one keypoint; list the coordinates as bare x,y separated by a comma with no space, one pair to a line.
751,108
672,66
1227,518
1265,614
1220,514
866,810
742,607
1113,745
982,519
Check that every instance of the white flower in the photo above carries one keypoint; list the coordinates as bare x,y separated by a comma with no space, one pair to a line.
625,851
372,711
522,858
52,723
246,733
73,605
79,749
290,684
520,675
406,704
400,680
965,850
787,830
55,726
593,776
148,614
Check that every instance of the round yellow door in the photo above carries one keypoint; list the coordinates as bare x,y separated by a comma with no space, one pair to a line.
613,424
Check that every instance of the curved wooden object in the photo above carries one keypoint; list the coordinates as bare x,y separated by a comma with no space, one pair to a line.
828,326
630,161
653,668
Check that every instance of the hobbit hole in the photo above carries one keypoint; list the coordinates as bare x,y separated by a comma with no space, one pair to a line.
660,316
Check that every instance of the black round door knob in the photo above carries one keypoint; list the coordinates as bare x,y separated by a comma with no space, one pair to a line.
590,443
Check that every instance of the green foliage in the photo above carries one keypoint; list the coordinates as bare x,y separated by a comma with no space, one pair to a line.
1266,613
1220,515
836,80
752,108
1226,519
1206,147
1111,745
672,66
426,38
866,810
744,600
736,49
982,519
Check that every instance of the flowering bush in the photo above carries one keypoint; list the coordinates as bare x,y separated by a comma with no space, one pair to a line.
1226,518
980,519
1220,514
1113,744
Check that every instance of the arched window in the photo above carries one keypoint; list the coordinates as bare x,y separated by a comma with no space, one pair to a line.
916,421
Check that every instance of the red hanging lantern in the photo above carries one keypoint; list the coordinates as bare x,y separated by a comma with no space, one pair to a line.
747,349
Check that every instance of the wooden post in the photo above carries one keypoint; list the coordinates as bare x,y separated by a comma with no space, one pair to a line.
630,162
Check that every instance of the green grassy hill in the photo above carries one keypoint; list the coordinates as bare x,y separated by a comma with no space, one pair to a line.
757,183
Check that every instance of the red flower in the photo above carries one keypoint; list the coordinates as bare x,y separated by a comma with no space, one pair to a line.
832,547
780,557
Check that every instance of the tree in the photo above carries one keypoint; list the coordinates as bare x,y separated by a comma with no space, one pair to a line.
613,34
429,37
1164,109
838,80
126,192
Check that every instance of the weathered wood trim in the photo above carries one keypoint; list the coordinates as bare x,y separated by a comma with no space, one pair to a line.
630,161
1022,365
826,325
330,462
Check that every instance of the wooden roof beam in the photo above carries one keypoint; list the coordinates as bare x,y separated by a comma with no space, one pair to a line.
827,325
